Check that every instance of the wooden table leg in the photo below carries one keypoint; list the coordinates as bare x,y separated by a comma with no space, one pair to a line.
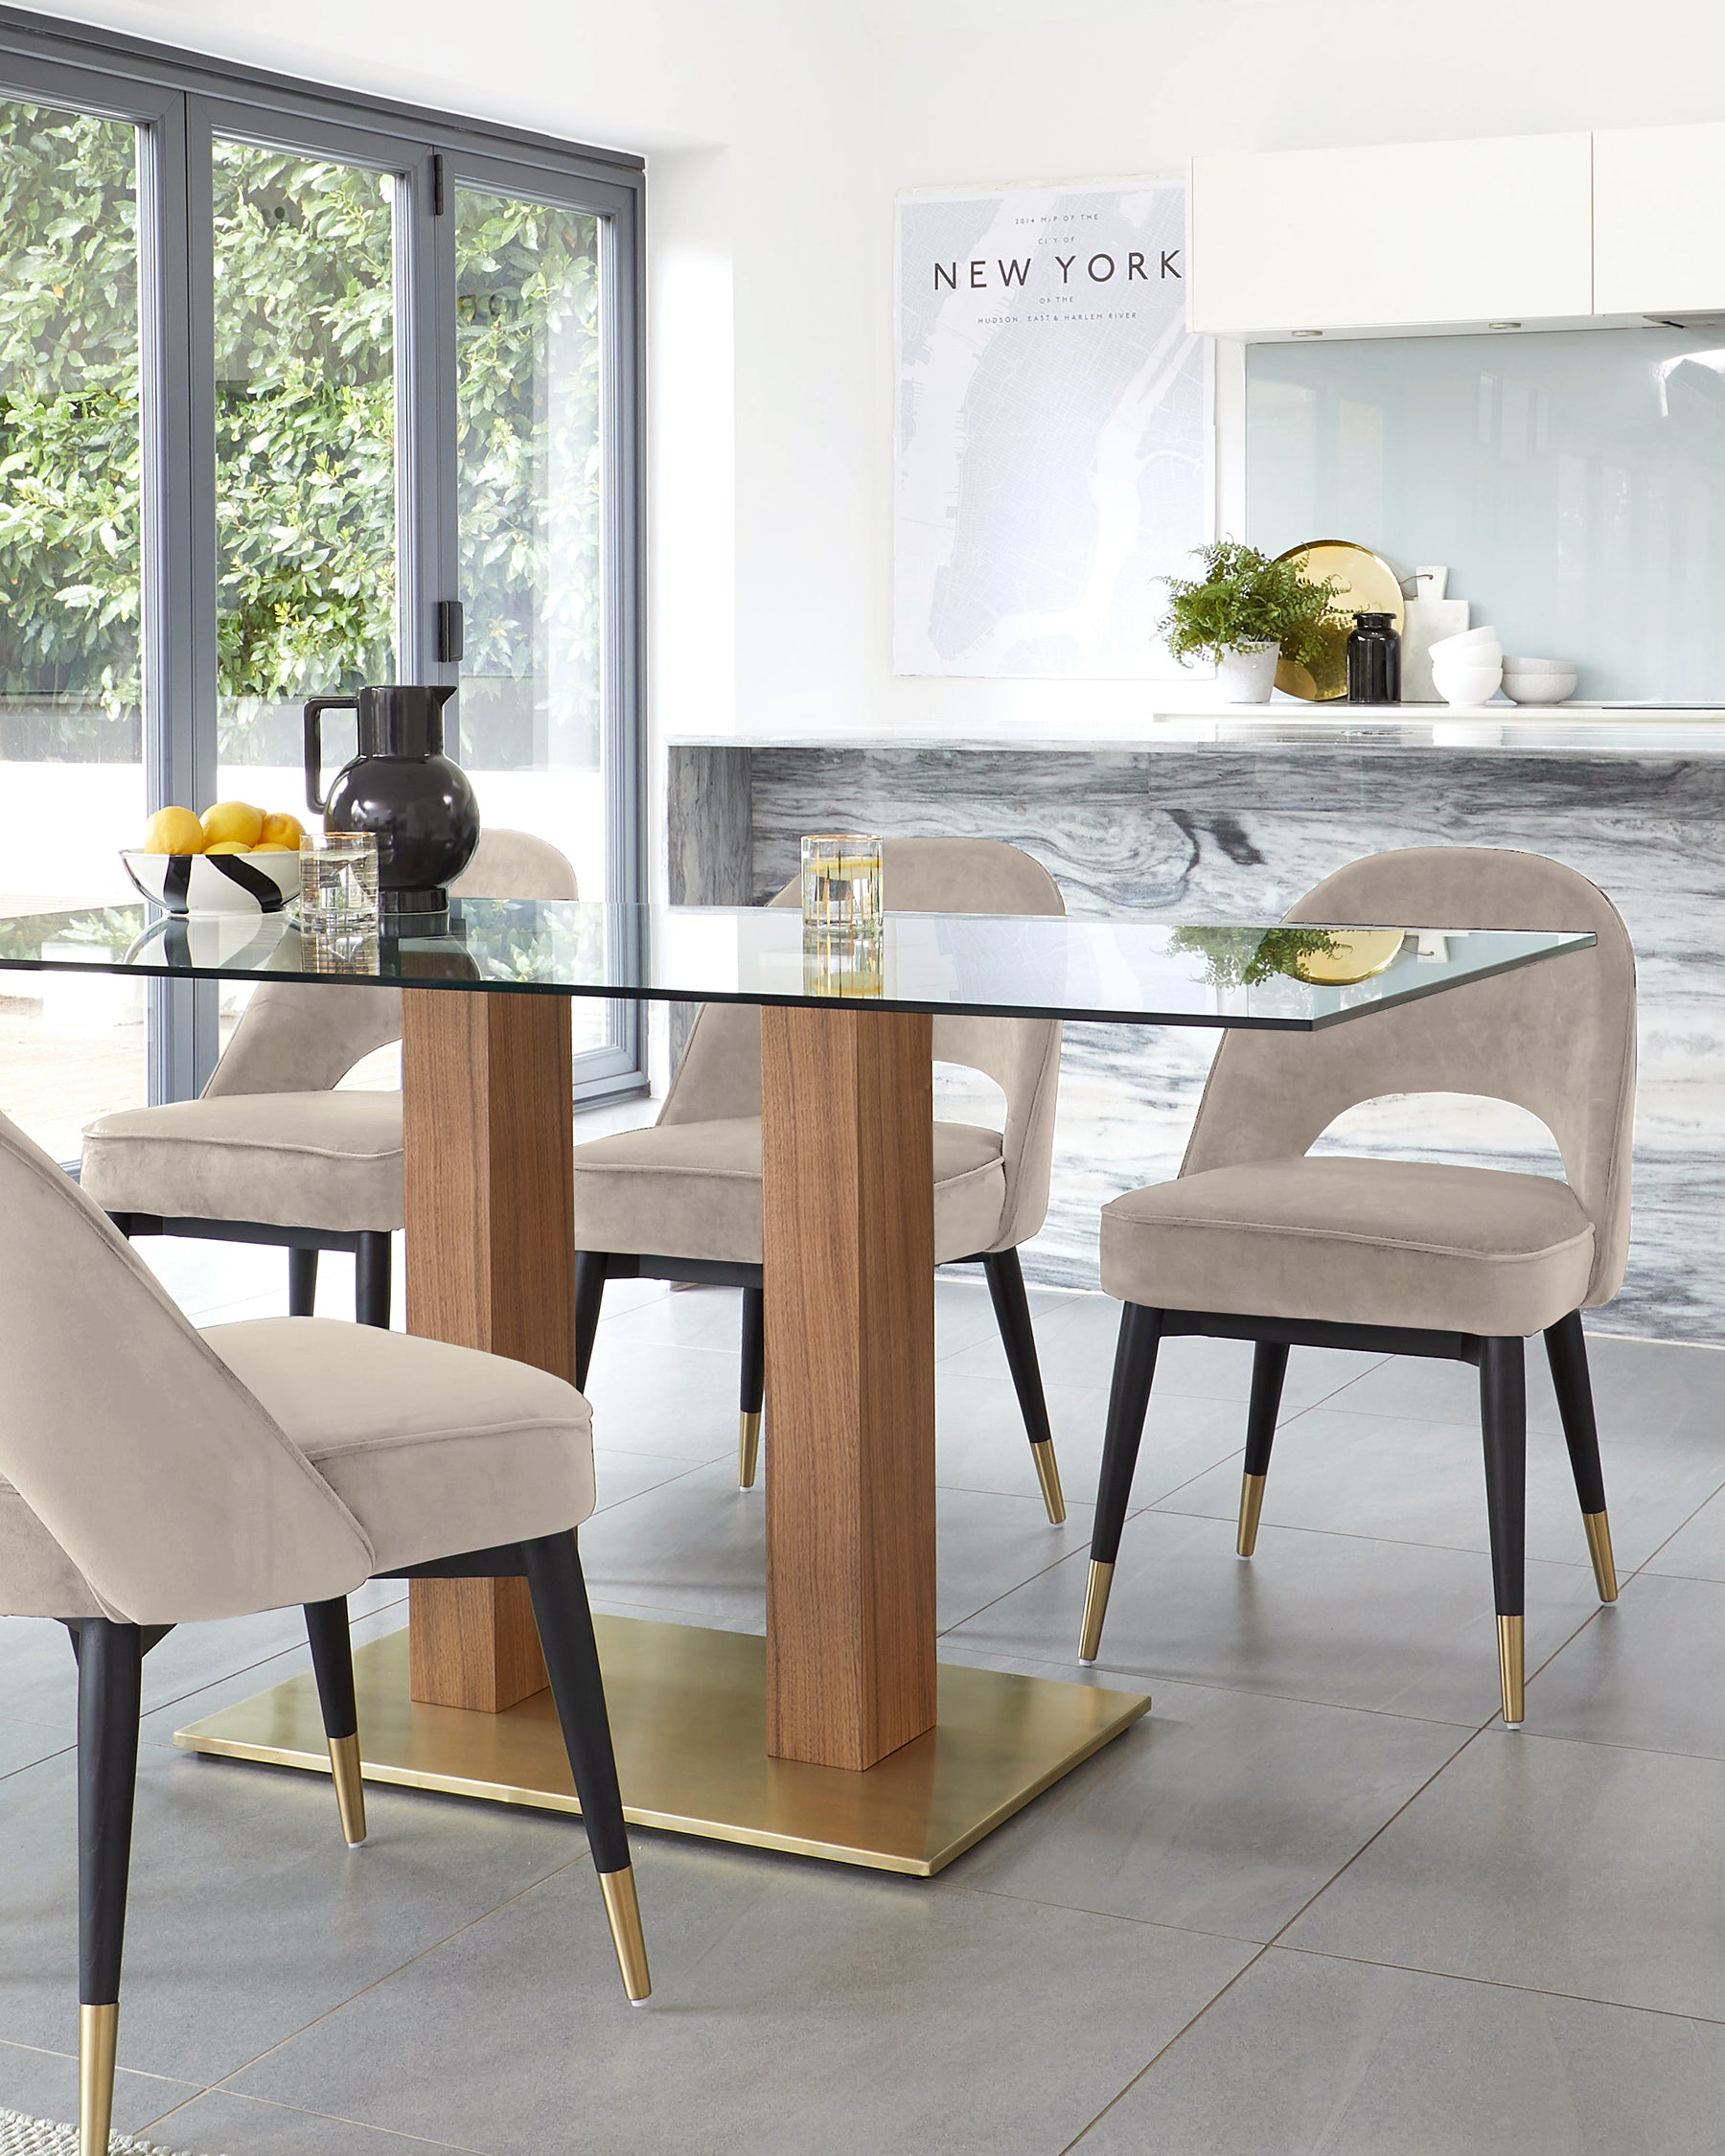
848,1143
489,1141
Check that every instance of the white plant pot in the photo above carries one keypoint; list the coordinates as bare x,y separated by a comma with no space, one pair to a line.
1247,674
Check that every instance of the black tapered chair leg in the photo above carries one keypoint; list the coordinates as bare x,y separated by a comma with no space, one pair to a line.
302,1283
332,1658
565,1630
1503,1426
1566,1351
1268,1369
589,1296
111,1676
372,1272
1128,1404
1012,1314
752,1388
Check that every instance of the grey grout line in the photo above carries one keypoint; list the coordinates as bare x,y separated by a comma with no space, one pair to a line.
1502,1983
1158,2056
58,1752
300,2111
386,1976
1269,1943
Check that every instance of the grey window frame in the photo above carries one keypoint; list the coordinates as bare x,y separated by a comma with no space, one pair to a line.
180,100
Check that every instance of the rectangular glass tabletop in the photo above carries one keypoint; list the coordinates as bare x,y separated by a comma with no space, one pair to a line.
1125,971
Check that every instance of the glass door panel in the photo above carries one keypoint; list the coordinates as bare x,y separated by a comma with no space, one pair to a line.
73,787
531,510
306,481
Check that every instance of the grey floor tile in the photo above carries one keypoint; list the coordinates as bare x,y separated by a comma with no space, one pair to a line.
160,1723
1219,1812
38,1679
731,1620
240,2125
43,2084
964,1319
206,1277
1640,1388
1332,1617
987,1545
1407,1481
1648,1673
1076,1343
1412,1388
698,1545
981,1443
1697,1549
797,2007
618,1476
23,1743
694,1316
681,1402
1573,1868
247,1917
1307,2057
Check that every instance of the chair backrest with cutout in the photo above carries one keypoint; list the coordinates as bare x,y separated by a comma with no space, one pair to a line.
1556,1038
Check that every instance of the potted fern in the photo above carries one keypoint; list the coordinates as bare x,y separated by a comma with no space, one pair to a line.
1245,612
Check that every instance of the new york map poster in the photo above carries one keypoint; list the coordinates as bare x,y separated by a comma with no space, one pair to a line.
1055,430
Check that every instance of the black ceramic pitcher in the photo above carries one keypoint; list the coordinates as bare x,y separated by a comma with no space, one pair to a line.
419,803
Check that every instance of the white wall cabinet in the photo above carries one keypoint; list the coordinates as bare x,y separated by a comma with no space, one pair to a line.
1400,236
1659,233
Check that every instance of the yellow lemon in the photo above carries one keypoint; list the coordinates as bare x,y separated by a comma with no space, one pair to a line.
271,846
284,831
174,831
230,846
233,819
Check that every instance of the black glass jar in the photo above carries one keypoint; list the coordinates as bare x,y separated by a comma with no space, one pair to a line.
1374,660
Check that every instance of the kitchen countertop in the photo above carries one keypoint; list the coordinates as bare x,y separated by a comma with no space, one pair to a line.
1562,729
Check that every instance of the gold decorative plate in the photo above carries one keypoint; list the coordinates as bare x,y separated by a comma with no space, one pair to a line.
1355,955
1369,585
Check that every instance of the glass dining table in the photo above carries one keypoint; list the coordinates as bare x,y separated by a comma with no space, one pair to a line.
837,1734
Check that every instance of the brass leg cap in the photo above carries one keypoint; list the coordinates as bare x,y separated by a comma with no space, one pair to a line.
98,2027
1599,1549
1048,1474
625,1913
1095,1609
748,1450
350,1788
1510,1669
1251,1504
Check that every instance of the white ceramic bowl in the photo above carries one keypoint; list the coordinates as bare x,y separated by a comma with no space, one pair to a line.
1539,688
1514,665
1467,684
216,882
1468,640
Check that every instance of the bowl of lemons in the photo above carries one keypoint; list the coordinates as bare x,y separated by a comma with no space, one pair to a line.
234,859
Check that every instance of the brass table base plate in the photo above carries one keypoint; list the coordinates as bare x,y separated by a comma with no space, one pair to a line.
689,1710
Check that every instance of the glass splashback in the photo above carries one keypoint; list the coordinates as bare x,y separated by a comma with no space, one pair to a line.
1134,972
1572,482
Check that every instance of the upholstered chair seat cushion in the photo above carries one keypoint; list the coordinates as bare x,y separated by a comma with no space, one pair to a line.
434,1450
1368,1241
292,1160
692,1190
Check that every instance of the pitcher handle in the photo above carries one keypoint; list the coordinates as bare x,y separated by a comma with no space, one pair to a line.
315,711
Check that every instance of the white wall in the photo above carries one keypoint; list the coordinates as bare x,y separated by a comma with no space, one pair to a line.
778,132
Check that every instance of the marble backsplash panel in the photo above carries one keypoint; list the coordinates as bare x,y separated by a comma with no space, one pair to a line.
1195,832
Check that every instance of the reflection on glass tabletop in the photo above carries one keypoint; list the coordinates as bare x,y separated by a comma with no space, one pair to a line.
1133,971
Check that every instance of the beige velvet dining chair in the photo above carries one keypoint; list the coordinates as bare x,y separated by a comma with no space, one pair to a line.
1259,1239
152,1476
273,1150
682,1198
